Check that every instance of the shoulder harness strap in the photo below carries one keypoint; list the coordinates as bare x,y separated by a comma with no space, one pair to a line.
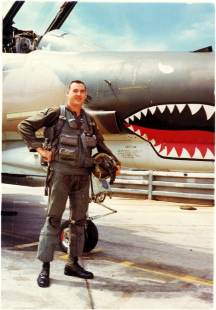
62,112
61,120
90,122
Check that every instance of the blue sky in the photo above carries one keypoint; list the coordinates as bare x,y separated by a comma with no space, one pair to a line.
130,26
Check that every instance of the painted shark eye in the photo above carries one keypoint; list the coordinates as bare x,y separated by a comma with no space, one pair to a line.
177,131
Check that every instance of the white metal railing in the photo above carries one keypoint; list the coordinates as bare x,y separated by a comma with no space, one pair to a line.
192,187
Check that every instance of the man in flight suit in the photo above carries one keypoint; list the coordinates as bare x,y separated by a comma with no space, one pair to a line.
69,162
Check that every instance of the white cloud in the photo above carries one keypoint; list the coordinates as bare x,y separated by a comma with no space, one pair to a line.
205,26
204,29
188,34
127,41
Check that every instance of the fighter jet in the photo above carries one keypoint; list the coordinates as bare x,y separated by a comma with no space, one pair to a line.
156,110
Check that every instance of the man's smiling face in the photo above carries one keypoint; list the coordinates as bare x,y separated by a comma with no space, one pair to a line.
76,95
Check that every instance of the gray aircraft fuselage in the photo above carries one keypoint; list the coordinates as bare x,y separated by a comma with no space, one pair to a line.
155,109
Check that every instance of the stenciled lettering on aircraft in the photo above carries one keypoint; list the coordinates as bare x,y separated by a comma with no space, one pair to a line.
129,153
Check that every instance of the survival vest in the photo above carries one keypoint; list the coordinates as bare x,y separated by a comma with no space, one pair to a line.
72,143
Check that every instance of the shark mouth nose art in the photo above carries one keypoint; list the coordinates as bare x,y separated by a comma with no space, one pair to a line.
179,131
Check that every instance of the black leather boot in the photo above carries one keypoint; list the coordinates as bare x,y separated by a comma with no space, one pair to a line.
72,268
43,278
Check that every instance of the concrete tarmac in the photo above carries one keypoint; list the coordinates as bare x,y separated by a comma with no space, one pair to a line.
150,255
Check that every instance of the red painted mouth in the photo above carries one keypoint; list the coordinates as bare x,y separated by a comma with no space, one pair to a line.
183,131
172,143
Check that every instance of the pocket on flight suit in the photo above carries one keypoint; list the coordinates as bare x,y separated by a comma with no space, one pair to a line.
68,140
68,153
91,141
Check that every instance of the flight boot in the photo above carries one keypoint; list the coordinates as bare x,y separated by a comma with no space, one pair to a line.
43,278
72,268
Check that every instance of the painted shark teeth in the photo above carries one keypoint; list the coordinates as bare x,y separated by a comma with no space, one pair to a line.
132,118
181,107
194,108
138,132
145,136
197,154
175,152
138,115
171,107
209,155
209,111
131,128
164,152
184,153
157,148
152,109
161,108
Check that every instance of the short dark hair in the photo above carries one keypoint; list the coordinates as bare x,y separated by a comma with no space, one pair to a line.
76,81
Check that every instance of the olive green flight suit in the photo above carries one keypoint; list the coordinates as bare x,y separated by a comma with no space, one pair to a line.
64,181
60,188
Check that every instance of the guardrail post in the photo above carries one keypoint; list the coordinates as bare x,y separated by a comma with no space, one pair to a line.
150,184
